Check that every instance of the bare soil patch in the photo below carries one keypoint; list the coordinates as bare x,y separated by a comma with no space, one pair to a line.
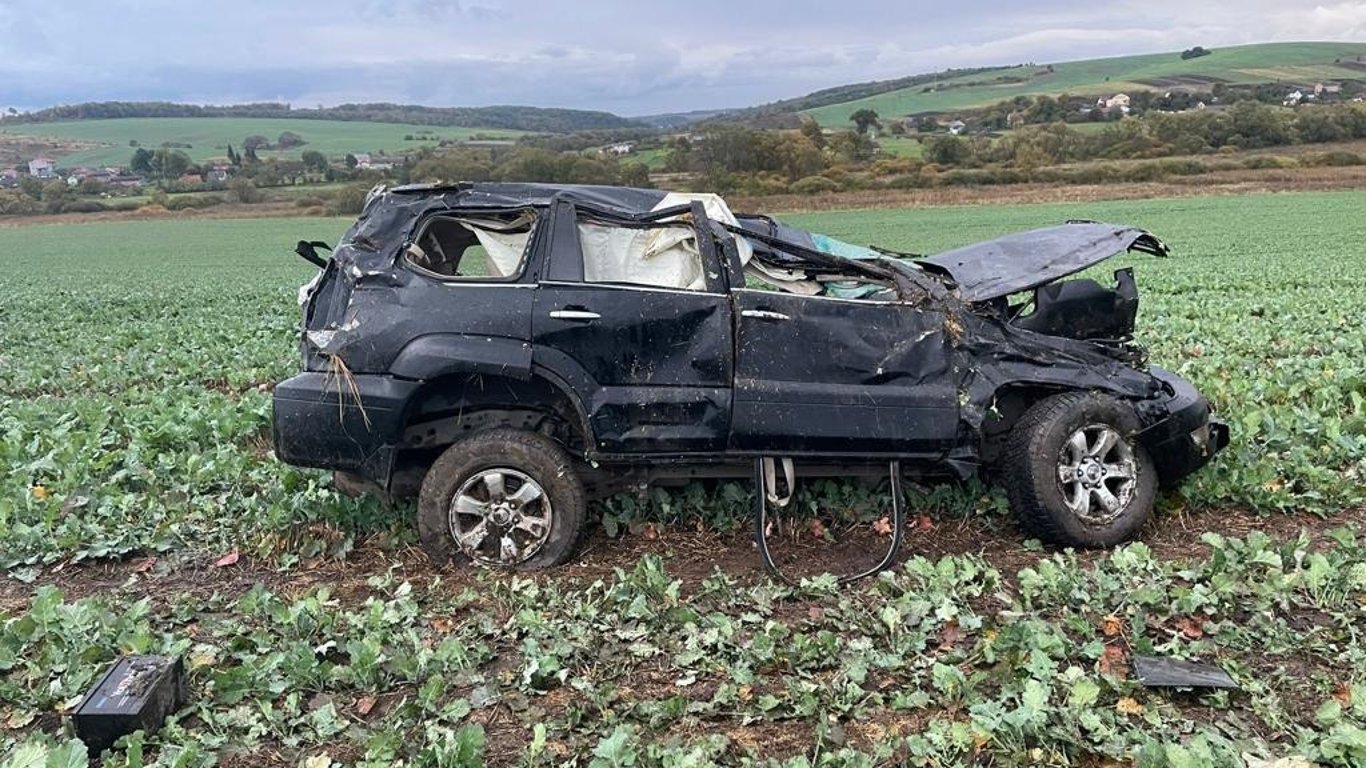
691,556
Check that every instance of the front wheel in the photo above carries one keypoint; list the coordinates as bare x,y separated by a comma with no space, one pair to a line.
1075,475
503,497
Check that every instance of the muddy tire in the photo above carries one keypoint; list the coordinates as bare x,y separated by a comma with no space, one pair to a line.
504,498
1074,474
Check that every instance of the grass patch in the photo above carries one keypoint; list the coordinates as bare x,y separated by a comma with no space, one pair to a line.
209,137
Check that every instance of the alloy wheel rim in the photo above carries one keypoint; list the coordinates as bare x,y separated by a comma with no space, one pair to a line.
500,516
1097,474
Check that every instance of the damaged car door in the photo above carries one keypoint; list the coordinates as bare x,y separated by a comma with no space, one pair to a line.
825,375
632,313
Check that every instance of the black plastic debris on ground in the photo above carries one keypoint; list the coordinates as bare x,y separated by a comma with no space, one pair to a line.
1163,672
138,692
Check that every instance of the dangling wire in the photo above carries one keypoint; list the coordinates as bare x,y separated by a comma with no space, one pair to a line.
765,488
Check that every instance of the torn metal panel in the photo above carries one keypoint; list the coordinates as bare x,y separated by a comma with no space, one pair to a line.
1026,260
992,354
1166,672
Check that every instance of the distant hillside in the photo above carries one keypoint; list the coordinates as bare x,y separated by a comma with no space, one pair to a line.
842,94
514,118
673,120
112,141
947,92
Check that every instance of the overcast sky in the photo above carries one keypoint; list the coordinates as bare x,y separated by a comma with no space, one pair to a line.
630,57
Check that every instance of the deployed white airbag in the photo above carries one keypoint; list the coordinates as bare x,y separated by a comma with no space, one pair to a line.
665,257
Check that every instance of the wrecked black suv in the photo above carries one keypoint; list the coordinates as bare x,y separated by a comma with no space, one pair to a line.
506,349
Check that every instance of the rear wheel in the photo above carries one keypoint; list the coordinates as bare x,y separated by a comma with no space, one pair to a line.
503,497
1074,473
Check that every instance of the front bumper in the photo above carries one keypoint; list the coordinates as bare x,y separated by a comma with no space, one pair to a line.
1181,433
352,426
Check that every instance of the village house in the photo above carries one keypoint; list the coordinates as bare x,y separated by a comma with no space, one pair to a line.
82,173
1117,103
125,180
41,167
366,162
957,126
218,173
619,149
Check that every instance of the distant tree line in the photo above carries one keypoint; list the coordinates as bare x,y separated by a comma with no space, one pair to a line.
729,156
536,119
520,163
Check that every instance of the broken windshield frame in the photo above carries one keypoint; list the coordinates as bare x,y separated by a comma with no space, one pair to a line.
910,283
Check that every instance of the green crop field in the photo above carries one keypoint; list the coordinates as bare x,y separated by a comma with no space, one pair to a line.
900,146
210,136
141,510
1299,63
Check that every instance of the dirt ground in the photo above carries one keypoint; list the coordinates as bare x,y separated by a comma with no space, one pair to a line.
690,556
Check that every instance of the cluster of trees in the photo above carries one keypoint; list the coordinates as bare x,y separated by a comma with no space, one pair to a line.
539,119
286,140
723,153
523,164
160,163
34,196
1246,125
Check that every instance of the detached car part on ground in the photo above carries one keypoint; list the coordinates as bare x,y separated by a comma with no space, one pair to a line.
511,349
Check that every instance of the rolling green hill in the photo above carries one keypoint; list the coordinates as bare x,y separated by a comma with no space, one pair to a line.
101,142
1297,63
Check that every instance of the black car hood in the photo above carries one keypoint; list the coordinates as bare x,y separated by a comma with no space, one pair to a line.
1025,260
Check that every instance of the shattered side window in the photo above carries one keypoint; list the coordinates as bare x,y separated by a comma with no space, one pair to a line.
664,256
482,247
774,269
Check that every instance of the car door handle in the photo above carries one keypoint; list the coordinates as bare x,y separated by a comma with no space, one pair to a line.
574,314
764,314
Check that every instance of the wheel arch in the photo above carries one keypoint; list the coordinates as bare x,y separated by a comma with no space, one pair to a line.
1004,409
446,407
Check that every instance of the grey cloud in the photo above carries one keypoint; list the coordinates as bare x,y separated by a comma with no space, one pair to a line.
628,57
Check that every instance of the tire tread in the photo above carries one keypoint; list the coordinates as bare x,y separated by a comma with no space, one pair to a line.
472,453
1018,476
